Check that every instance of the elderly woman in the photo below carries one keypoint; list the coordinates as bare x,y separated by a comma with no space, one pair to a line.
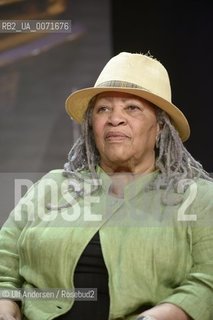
130,214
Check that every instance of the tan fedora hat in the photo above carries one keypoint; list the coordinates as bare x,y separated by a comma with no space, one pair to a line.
136,74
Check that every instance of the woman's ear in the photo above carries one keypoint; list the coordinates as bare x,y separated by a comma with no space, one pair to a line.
158,129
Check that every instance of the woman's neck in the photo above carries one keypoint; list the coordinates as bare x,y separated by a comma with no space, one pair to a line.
122,177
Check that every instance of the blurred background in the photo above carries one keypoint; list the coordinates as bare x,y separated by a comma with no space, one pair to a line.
38,71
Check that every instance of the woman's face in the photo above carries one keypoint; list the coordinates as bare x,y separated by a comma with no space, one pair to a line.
125,129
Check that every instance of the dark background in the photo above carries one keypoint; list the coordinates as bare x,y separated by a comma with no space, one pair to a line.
179,34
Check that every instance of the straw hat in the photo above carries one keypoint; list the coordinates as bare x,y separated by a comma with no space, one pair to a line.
136,74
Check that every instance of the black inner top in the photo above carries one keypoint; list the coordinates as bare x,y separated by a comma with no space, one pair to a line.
91,272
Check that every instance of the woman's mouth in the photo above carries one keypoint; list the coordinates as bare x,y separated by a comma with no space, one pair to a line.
115,136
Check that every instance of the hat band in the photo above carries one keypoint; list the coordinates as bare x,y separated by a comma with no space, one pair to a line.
118,83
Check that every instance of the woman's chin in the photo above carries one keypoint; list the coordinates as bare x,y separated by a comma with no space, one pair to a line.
119,157
117,162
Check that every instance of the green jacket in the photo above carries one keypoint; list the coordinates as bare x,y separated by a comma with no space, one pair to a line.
152,255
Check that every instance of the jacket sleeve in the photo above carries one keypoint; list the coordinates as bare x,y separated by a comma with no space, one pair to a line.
195,294
20,219
9,236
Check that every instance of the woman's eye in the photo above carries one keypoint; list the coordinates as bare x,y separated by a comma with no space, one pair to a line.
133,107
102,109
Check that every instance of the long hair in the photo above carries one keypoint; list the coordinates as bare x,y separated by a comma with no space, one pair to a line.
175,164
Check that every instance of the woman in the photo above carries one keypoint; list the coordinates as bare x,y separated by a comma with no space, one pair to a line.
130,214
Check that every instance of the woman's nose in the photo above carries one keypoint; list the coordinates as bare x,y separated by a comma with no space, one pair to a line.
116,118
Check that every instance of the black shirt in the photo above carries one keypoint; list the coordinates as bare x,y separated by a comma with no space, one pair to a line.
91,272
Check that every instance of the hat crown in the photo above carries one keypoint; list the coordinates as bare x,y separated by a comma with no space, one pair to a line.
139,70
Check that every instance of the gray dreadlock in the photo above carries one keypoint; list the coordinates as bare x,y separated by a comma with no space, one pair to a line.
174,162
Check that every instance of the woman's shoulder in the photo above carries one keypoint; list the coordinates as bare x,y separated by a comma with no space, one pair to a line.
205,185
62,177
51,177
54,174
204,190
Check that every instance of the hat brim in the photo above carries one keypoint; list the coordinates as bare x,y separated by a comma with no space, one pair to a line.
77,103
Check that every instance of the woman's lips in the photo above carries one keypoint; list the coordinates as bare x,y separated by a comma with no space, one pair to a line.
116,136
